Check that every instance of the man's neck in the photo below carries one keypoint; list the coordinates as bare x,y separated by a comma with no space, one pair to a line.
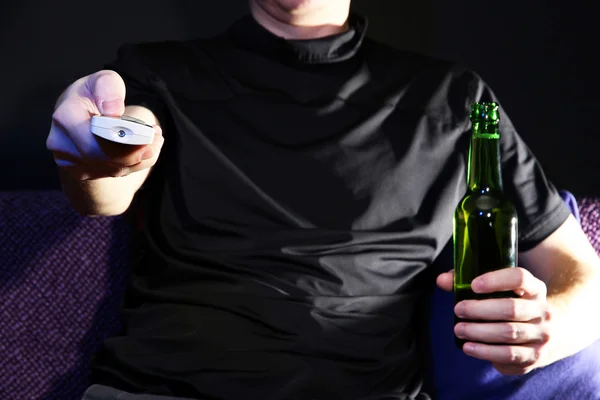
300,25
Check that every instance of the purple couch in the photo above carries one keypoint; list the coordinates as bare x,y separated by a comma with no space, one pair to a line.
62,278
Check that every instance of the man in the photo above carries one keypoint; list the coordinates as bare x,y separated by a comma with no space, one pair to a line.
306,181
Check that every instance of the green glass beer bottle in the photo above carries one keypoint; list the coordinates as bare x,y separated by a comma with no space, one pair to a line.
485,220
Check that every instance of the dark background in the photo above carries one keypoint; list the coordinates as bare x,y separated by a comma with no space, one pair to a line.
538,56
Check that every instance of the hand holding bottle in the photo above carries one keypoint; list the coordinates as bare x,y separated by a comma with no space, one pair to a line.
501,313
518,344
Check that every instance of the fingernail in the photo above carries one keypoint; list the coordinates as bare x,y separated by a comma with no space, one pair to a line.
459,330
469,348
477,285
147,154
459,310
111,107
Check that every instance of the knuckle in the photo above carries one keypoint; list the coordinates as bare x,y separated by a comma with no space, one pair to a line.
514,333
547,314
535,355
533,359
513,310
60,115
544,336
52,140
521,276
159,140
515,357
80,81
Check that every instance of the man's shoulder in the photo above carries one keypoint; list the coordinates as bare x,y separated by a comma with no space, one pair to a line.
419,80
390,59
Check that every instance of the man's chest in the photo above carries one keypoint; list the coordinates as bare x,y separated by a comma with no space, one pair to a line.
336,167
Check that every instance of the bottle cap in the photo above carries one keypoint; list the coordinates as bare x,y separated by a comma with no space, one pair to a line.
486,112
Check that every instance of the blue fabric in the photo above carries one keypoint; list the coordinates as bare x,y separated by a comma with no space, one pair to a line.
570,200
460,377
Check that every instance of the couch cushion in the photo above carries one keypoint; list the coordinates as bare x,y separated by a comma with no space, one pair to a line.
589,212
61,282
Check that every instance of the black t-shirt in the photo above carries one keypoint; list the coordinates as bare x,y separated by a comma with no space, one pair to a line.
303,191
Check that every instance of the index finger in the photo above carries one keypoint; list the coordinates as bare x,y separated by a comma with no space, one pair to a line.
516,279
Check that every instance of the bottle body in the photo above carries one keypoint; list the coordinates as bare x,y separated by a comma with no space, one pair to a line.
485,220
485,240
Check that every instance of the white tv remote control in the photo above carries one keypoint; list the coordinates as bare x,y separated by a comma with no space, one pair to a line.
125,130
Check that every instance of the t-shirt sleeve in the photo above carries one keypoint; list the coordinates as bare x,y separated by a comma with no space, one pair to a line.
139,89
540,207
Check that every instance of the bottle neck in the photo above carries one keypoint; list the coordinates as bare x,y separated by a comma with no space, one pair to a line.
485,172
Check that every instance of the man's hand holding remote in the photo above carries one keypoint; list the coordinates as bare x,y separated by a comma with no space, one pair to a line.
99,176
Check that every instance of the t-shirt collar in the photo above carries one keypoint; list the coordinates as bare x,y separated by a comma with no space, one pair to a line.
252,36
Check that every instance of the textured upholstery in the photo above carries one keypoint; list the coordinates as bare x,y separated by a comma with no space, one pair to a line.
589,212
61,282
62,279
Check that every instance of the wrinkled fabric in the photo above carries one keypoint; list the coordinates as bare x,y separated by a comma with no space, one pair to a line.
303,191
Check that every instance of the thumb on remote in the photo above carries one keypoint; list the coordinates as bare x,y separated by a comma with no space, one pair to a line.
108,91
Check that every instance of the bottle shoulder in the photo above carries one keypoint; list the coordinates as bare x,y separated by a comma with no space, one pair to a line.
486,200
